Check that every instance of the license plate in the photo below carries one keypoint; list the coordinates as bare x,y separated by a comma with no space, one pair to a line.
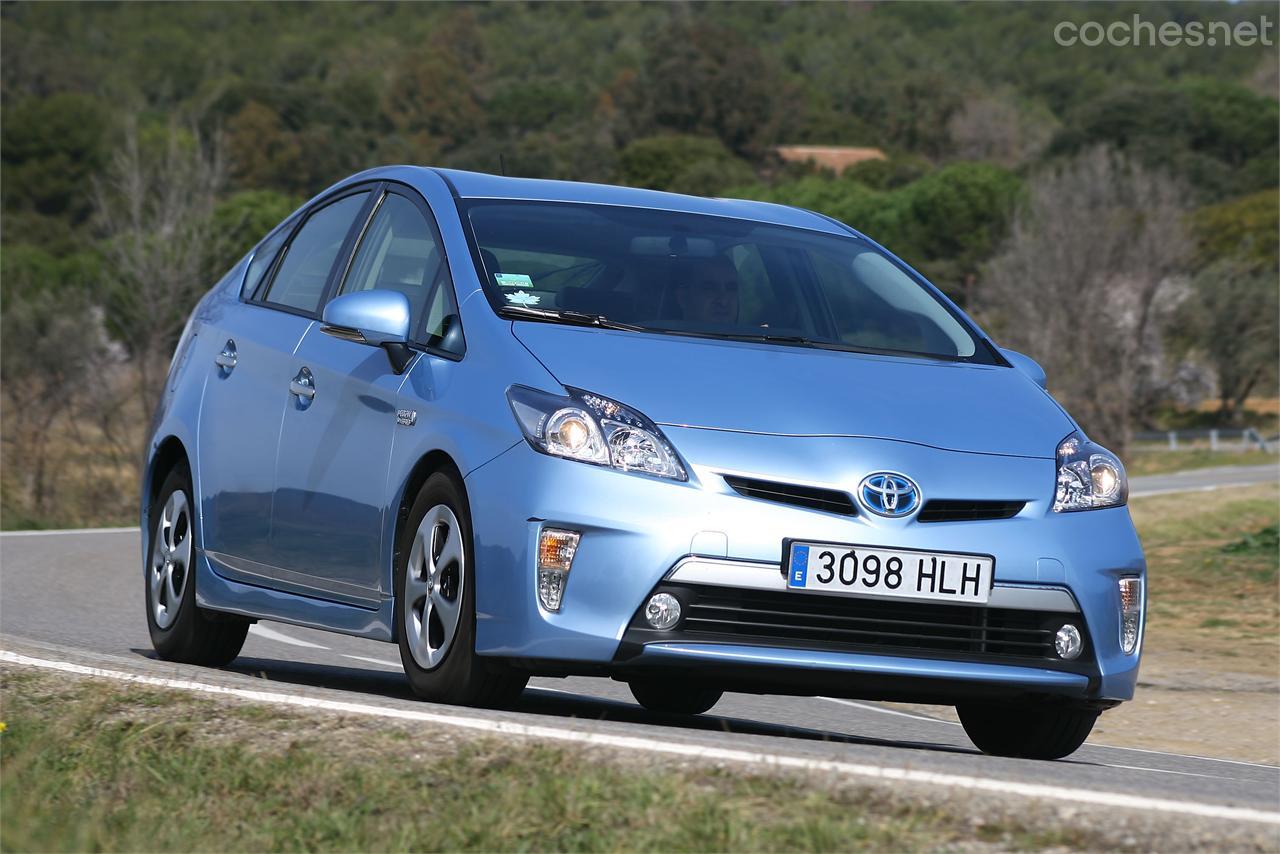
854,570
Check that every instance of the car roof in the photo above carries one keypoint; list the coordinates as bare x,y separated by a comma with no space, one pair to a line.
480,185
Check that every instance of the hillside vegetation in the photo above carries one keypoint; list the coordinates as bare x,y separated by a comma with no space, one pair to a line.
1110,211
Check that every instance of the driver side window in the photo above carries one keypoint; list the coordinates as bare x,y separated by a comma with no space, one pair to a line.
401,251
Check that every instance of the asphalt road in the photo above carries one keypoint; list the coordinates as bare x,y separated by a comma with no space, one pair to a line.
1202,480
78,596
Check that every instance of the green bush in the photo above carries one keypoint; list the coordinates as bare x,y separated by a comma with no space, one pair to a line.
701,166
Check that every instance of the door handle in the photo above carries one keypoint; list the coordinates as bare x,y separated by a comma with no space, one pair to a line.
227,358
303,385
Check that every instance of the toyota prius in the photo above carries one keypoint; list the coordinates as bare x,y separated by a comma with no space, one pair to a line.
538,428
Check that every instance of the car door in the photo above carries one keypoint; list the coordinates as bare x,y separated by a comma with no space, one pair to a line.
331,491
248,386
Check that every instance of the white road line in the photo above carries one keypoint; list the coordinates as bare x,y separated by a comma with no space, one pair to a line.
395,665
1164,771
280,637
871,708
852,769
69,531
1188,756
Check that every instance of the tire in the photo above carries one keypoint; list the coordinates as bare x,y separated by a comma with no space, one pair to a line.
1027,731
674,697
435,615
180,630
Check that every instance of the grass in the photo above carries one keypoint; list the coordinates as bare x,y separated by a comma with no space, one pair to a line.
1214,568
1161,461
90,766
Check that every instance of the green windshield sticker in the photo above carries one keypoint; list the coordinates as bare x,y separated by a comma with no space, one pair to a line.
513,280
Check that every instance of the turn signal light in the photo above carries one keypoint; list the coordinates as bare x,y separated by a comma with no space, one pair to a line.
1130,613
556,549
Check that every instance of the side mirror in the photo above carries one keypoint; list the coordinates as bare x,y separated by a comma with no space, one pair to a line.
377,318
1026,364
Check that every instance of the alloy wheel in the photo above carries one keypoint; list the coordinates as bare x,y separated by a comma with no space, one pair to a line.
434,579
170,559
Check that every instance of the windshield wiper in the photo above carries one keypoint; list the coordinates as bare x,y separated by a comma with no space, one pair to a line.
773,339
818,344
577,318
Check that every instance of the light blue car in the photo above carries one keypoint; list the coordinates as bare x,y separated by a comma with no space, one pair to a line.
524,427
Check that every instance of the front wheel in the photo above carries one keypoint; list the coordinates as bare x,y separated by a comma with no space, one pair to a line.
180,630
674,696
435,581
1027,730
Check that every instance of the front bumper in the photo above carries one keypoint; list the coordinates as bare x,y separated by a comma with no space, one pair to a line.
636,531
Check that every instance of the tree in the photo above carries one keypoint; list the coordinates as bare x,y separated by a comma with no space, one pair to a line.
263,152
241,220
702,78
434,100
951,221
1247,228
682,164
55,360
1232,319
51,147
154,209
999,129
1094,267
1215,135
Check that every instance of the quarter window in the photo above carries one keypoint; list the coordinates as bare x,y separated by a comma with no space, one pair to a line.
309,257
401,252
262,259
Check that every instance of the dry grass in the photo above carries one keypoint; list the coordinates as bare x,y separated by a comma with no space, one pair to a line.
91,471
1213,569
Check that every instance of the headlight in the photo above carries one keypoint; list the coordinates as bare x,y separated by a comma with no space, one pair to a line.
1089,477
593,429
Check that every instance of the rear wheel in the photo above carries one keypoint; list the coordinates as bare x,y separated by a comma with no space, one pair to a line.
1027,730
180,630
435,605
674,696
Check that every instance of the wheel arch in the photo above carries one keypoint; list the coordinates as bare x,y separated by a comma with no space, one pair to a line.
431,462
170,453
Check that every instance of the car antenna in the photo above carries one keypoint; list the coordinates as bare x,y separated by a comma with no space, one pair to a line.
502,164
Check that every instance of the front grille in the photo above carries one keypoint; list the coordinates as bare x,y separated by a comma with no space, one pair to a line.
812,497
945,510
844,623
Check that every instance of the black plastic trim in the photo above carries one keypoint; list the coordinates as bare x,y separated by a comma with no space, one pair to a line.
952,510
796,495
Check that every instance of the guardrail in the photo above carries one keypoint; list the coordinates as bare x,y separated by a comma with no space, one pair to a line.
1215,439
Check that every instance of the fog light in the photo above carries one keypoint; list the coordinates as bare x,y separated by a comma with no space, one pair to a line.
662,611
1130,614
1068,642
556,549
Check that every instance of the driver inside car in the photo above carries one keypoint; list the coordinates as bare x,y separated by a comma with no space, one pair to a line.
707,289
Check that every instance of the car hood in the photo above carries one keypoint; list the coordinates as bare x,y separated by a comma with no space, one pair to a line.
794,391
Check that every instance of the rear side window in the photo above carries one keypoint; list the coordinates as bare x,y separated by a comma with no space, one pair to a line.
309,257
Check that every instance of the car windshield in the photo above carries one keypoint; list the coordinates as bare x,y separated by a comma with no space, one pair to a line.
710,276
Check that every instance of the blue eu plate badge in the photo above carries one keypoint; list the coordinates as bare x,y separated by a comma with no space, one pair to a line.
799,566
